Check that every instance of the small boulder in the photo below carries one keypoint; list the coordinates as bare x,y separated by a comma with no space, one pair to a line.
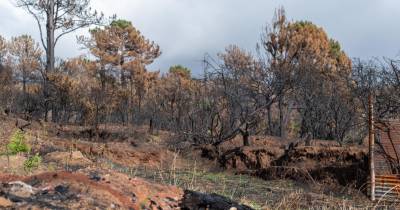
21,189
61,189
197,200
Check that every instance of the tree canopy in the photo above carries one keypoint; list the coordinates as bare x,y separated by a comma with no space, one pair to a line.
298,83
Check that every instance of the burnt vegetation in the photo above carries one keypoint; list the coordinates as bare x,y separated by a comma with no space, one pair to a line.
298,84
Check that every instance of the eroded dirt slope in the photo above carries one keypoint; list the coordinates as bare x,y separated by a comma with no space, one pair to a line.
94,189
274,158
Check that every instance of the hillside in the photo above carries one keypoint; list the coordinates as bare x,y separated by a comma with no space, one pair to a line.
129,168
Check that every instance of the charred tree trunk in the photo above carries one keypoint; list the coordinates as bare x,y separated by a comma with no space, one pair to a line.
50,60
270,124
50,56
151,126
308,139
282,118
24,95
245,135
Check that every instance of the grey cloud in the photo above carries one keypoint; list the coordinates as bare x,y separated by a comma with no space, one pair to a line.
187,29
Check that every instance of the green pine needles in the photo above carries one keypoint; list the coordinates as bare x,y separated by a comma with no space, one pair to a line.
32,162
17,143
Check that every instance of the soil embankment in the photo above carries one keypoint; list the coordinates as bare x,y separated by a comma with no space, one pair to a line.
271,158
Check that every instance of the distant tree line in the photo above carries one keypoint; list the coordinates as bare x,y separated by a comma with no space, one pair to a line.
299,83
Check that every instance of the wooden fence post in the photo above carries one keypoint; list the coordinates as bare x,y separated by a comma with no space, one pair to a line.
371,136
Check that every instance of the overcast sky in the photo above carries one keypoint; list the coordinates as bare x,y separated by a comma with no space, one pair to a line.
187,29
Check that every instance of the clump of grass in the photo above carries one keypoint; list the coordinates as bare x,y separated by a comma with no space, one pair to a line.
252,204
18,143
32,162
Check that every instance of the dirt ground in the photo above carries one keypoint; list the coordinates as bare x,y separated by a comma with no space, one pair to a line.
77,171
126,167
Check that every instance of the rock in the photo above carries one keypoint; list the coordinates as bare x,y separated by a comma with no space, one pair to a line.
197,200
94,176
21,189
61,189
5,203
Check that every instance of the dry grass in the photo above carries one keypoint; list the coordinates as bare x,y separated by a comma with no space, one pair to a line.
251,191
246,189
